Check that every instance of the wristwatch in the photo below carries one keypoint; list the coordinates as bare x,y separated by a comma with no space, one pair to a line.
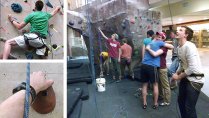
22,86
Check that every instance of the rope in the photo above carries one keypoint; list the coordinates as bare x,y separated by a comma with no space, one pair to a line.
100,44
170,12
97,115
91,45
27,93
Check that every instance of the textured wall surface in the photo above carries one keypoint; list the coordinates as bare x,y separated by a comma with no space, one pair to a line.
13,74
8,31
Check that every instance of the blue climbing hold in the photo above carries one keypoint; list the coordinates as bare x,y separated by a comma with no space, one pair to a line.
16,7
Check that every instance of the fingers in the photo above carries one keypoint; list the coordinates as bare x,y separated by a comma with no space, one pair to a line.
9,17
49,83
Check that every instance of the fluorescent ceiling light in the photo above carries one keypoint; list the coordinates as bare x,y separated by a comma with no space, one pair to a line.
180,19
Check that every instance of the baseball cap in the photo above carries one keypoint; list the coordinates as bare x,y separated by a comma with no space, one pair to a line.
161,34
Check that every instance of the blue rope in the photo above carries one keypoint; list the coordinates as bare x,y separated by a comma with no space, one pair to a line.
27,93
97,115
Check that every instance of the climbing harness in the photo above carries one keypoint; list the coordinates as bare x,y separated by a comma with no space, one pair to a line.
28,39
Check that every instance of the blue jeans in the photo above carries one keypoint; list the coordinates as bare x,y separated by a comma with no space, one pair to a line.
187,99
173,67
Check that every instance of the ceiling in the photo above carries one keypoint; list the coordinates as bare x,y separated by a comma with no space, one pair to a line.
195,16
189,16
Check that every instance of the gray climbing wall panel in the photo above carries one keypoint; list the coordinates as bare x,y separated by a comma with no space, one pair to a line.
8,31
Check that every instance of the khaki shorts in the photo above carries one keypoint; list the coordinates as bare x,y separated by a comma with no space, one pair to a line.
35,43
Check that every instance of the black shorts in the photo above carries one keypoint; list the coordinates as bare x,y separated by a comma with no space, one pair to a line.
149,74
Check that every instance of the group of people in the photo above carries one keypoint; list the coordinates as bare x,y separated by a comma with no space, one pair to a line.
117,58
185,67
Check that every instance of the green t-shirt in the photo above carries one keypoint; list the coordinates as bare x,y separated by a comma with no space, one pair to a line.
38,21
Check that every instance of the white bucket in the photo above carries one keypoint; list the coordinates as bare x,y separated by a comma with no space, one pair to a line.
100,84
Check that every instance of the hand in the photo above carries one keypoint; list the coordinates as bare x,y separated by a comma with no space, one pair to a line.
39,82
147,47
58,8
175,77
10,17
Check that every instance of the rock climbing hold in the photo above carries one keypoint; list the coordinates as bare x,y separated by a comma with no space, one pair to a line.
48,4
45,101
16,7
71,23
132,21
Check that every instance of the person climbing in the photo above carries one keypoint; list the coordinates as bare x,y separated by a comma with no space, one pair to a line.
38,31
114,51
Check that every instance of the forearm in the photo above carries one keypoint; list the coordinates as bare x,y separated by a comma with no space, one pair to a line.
17,25
55,11
182,75
14,103
152,52
120,52
103,35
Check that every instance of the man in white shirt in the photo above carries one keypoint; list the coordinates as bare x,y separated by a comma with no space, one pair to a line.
189,73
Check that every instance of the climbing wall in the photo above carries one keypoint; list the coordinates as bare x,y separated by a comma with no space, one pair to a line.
128,18
8,31
13,74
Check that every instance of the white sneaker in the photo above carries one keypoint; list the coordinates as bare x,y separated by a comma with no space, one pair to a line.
164,104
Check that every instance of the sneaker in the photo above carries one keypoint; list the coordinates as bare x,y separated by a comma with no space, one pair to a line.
164,104
173,85
12,56
132,77
118,81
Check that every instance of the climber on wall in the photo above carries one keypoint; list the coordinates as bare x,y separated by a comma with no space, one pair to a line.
38,31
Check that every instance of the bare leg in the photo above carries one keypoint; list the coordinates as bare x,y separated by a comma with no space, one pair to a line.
106,64
155,93
144,93
7,47
101,70
1,56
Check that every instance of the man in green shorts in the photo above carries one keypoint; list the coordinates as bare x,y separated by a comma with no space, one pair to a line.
38,31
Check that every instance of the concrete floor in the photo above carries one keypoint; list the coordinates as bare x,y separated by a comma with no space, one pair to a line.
203,52
12,74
